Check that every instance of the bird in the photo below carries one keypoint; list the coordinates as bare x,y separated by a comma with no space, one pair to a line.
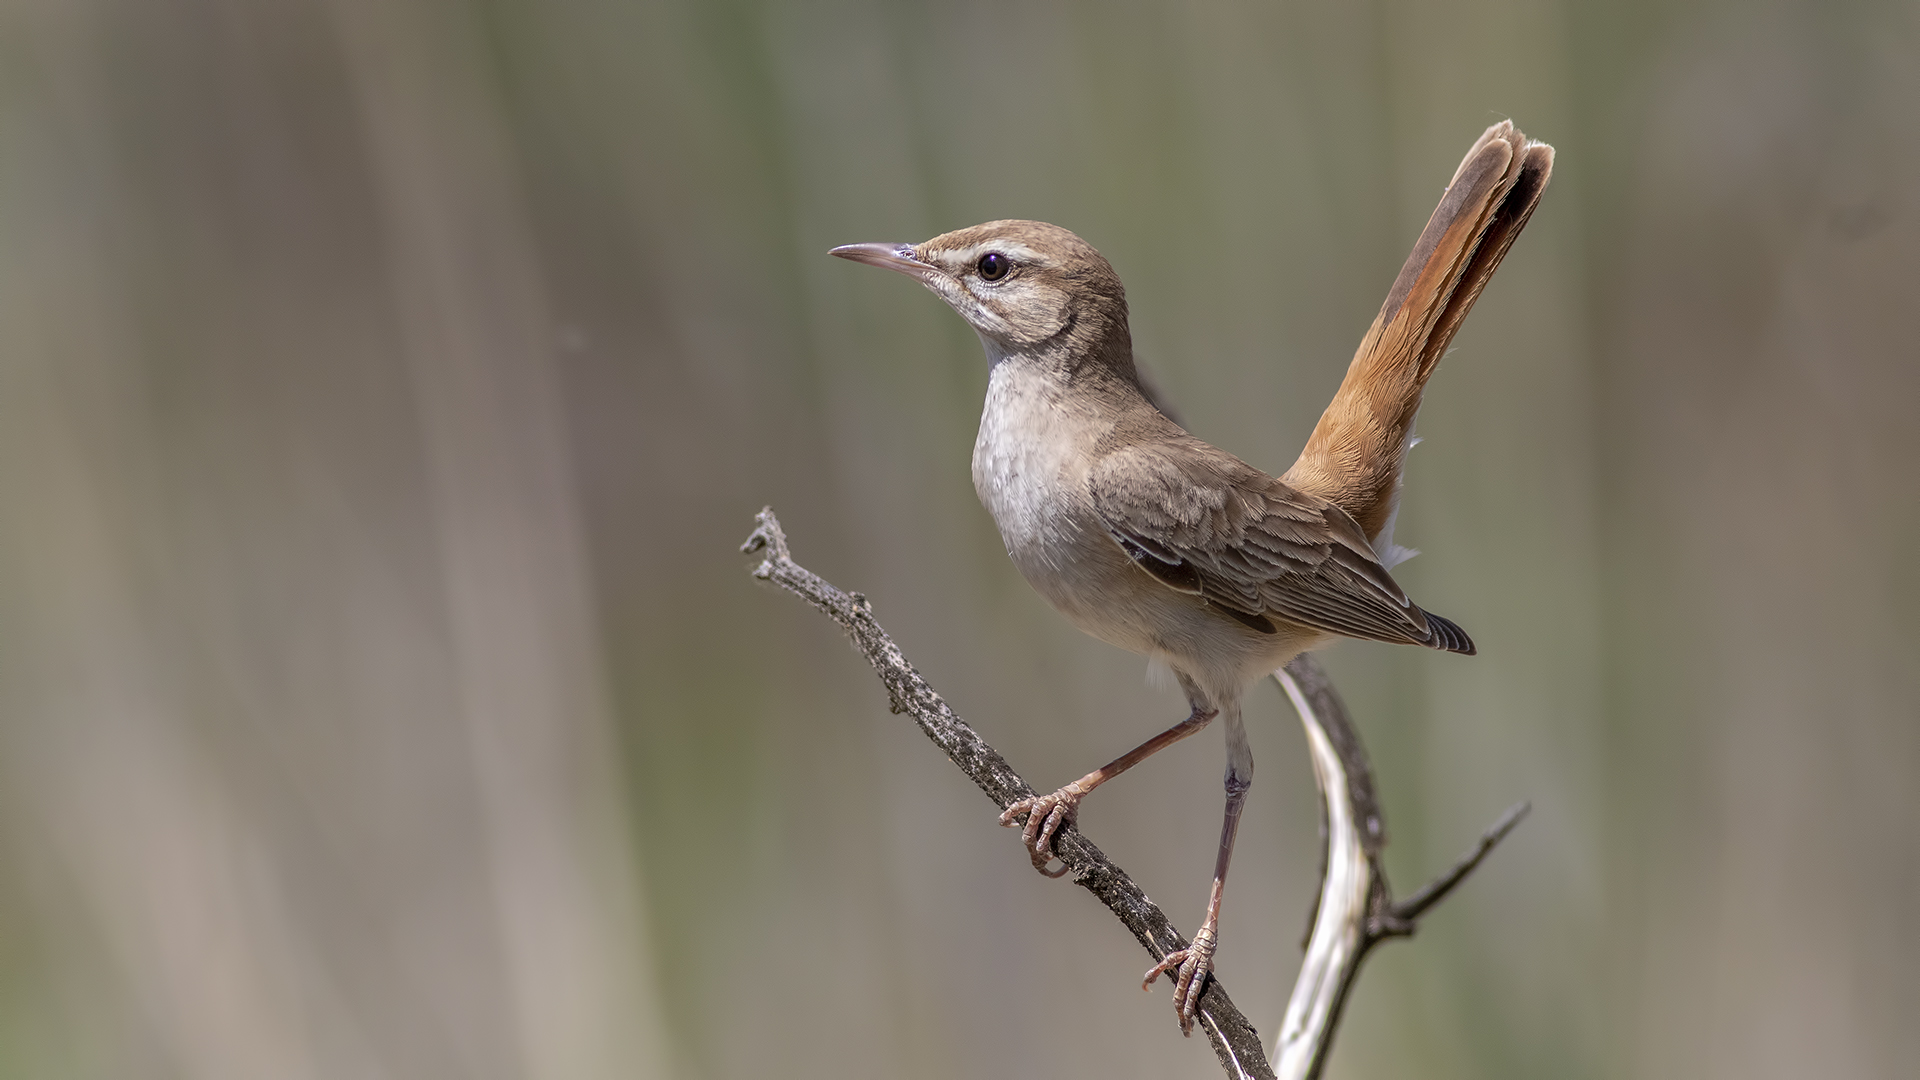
1149,538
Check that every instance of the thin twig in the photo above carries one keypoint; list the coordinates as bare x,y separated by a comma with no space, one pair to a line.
1434,891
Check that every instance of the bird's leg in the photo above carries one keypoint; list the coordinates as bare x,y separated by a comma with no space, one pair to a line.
1045,814
1191,966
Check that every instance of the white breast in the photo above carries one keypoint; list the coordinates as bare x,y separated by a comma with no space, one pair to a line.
1029,466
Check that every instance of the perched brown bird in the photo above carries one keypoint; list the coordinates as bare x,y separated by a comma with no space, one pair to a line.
1148,538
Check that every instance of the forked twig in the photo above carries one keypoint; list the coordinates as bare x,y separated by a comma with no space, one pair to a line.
1355,909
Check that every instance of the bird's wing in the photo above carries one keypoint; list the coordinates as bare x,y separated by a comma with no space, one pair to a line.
1206,523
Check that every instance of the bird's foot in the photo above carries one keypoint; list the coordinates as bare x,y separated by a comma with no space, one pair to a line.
1190,968
1044,815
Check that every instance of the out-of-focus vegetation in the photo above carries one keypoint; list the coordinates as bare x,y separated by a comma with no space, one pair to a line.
384,385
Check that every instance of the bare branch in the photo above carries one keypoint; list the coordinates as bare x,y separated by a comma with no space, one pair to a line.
1337,941
1234,1040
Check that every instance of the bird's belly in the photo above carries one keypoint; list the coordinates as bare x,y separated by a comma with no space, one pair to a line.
1097,589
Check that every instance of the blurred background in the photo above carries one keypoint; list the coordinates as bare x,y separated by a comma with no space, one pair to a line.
385,386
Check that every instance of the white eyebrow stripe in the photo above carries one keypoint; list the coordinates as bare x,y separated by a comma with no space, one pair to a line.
965,256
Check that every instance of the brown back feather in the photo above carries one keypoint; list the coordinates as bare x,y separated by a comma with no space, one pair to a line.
1355,454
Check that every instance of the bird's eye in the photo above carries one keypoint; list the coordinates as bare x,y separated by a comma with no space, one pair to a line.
993,266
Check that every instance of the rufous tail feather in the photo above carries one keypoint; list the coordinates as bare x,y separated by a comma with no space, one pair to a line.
1356,452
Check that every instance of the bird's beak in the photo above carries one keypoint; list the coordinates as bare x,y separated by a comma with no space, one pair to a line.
895,257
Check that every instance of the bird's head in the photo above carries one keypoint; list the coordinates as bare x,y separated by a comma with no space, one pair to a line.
1025,286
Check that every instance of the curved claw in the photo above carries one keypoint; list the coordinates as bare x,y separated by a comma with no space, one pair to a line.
1045,815
1190,968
